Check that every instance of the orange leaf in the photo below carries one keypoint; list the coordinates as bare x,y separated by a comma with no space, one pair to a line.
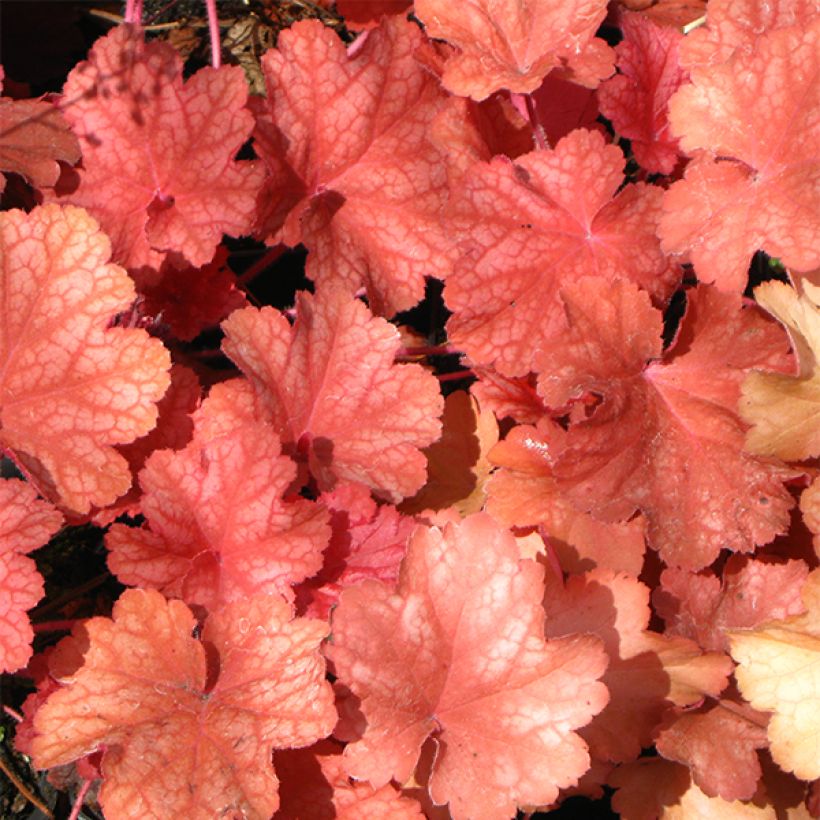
779,671
26,523
33,136
513,45
330,387
749,188
158,169
210,538
70,387
501,701
175,746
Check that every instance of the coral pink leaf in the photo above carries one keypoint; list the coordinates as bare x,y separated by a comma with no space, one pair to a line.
513,45
665,437
560,106
190,300
368,184
315,786
33,136
646,670
636,98
367,541
503,703
529,226
158,168
735,25
69,387
173,431
329,385
719,743
701,607
756,188
174,746
778,669
26,523
524,492
365,14
211,538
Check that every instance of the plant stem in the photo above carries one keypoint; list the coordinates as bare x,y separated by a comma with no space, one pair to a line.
537,131
12,713
78,803
54,626
453,377
23,789
213,30
264,261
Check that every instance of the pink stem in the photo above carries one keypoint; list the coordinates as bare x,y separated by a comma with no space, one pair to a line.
78,803
537,130
13,713
213,29
54,626
434,350
129,11
552,559
265,261
452,377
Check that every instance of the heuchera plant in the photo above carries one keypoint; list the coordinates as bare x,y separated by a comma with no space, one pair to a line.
593,570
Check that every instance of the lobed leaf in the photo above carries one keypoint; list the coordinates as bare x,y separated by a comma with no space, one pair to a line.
501,702
173,743
71,387
329,386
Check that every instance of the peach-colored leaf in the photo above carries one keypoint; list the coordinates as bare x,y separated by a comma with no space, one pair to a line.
646,670
69,387
210,538
158,169
26,523
513,45
718,742
365,14
33,137
735,25
524,492
175,745
701,607
636,98
330,387
503,703
173,431
315,786
750,188
527,227
810,507
189,300
779,671
367,541
665,437
457,464
365,183
784,410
